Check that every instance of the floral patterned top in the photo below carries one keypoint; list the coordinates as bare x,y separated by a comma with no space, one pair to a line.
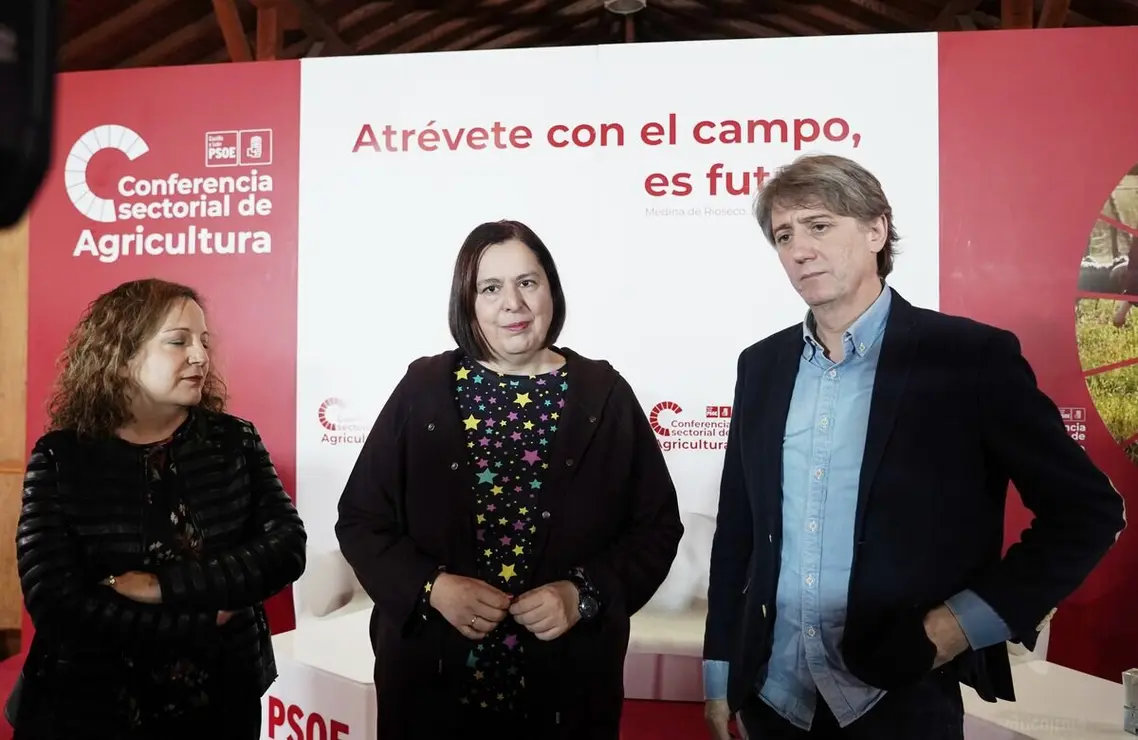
167,687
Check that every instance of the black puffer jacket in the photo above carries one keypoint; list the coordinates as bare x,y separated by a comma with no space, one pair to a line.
82,520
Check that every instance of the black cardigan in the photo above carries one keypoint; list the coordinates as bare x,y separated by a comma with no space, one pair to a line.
81,521
407,508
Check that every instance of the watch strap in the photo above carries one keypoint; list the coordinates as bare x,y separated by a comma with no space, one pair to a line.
585,587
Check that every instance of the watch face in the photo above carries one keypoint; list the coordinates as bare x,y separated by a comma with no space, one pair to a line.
587,607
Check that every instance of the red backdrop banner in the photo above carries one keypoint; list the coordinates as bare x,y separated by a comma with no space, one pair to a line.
1037,130
187,174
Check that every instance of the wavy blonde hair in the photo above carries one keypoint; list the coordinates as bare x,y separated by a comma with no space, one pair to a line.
91,393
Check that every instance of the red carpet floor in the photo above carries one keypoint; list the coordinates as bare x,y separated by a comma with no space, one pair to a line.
643,720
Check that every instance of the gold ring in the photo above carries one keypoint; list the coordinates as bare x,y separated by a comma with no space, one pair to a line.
110,581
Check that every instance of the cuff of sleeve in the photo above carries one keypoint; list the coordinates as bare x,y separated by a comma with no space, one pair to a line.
715,680
424,605
981,625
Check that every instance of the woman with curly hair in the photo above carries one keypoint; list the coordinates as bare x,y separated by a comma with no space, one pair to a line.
153,526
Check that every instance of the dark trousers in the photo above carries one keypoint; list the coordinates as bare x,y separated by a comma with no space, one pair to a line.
232,717
444,719
930,710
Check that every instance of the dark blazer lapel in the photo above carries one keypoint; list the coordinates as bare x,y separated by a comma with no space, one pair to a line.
776,388
893,367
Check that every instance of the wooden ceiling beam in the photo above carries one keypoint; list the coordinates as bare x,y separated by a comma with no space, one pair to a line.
542,14
447,28
232,30
383,22
106,33
481,32
287,17
948,18
270,35
425,22
1016,14
852,15
1054,13
318,28
156,54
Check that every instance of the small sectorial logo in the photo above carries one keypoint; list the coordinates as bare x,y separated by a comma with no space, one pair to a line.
100,138
153,209
675,432
654,416
341,426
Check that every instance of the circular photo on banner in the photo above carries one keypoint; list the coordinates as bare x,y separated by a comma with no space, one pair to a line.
1106,314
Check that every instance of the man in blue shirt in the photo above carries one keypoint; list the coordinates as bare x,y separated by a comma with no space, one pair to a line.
856,571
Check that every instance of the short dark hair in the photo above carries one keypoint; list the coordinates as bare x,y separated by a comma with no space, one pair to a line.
463,327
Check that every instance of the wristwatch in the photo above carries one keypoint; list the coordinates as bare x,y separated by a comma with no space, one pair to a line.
588,600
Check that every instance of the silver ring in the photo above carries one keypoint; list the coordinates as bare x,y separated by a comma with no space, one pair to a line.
473,620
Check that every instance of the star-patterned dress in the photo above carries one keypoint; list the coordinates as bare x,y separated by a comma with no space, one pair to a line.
509,421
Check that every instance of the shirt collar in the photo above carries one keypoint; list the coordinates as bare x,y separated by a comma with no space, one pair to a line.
862,334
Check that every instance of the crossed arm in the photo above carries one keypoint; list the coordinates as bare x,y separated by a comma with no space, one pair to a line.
180,603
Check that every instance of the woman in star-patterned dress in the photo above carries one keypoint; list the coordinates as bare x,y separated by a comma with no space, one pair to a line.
509,511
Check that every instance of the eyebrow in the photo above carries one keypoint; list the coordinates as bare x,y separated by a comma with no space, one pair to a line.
806,220
523,276
183,328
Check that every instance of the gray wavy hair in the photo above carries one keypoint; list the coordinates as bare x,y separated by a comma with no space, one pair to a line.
837,184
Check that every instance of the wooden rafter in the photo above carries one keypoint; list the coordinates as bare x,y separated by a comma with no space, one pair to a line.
315,26
270,34
232,30
948,18
1016,13
1054,13
101,34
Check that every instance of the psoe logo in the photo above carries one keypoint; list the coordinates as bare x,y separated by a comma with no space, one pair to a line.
98,139
341,425
247,148
676,432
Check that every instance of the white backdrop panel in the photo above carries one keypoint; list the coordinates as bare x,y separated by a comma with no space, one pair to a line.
668,288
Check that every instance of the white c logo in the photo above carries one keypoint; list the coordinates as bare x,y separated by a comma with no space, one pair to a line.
96,140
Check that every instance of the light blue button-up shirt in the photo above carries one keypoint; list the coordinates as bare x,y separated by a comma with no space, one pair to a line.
822,456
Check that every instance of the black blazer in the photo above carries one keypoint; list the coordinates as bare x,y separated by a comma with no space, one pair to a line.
955,415
82,520
407,509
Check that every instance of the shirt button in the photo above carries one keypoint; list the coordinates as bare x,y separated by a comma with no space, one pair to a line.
431,427
592,420
809,580
818,473
454,466
861,347
545,515
810,632
833,373
569,463
812,526
824,422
